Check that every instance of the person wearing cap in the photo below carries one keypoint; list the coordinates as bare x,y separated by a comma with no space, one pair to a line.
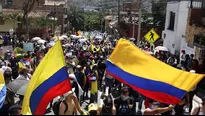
93,109
200,110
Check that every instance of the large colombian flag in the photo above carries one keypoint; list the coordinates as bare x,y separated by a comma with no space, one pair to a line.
148,75
2,90
48,81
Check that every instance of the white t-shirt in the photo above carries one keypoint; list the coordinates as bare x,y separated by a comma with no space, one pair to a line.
193,71
183,57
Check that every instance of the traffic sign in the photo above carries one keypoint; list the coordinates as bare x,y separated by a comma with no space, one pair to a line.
151,36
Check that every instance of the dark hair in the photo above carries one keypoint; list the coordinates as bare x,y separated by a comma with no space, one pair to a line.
7,74
123,89
108,101
14,109
203,98
93,112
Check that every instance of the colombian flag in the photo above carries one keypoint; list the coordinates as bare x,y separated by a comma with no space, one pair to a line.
148,75
2,90
48,81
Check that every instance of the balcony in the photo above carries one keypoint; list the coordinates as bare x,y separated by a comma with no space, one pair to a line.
199,41
197,4
197,13
197,17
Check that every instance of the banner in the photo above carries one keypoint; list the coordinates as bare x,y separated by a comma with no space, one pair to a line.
28,47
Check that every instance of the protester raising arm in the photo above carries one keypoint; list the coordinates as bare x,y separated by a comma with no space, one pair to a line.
77,105
157,110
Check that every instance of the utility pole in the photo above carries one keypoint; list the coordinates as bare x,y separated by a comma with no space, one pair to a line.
133,29
54,18
139,24
118,12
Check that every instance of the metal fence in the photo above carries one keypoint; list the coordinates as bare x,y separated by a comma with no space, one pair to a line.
192,3
197,4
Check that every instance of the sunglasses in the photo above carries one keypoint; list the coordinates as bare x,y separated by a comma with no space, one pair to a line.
126,92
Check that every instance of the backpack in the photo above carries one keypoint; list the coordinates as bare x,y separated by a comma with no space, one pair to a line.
56,107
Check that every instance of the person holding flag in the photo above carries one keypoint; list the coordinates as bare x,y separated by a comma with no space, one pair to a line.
48,81
145,74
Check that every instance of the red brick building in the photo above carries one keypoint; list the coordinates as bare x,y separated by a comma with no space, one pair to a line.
57,9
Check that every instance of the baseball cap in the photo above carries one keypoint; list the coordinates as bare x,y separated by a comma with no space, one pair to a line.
92,107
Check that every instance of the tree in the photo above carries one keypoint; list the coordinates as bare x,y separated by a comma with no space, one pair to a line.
43,22
159,12
28,6
157,16
14,18
93,20
76,18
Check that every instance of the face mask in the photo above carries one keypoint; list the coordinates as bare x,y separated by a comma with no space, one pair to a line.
71,81
124,97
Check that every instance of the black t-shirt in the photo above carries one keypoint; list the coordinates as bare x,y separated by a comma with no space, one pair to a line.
80,78
5,109
179,109
106,111
122,107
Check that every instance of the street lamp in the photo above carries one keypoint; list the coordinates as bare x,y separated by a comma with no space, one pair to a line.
132,21
133,27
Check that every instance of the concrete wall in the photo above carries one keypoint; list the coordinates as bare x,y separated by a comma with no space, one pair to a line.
7,26
169,40
191,31
174,39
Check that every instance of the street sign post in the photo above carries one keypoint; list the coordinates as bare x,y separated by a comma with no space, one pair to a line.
151,36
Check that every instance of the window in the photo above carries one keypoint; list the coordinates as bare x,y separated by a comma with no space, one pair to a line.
65,10
8,2
171,21
199,41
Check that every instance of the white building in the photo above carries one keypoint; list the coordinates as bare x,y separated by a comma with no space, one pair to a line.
175,27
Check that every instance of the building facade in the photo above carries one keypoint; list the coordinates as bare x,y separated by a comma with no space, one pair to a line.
175,27
195,30
55,9
59,12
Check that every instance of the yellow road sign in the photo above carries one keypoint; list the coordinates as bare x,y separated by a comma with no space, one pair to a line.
151,36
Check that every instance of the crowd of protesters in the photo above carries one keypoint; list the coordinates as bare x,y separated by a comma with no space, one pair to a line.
86,67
